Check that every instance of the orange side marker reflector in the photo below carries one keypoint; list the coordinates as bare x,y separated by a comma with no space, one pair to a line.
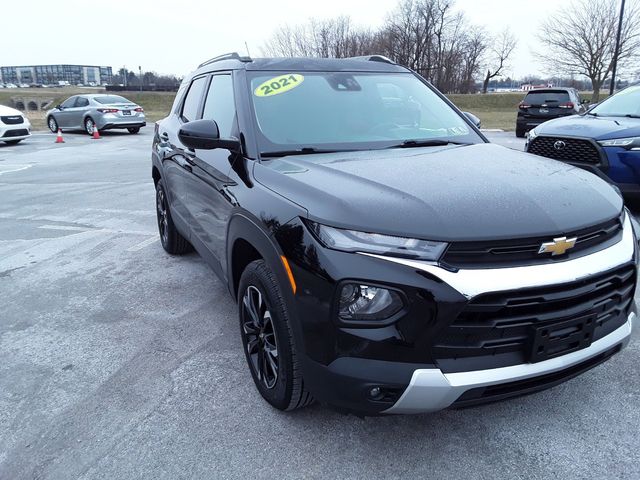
289,274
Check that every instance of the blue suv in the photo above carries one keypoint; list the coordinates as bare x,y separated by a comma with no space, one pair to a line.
605,140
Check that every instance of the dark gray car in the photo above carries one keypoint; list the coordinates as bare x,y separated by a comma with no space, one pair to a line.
103,111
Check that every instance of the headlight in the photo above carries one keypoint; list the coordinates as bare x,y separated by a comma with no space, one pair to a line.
532,134
630,142
354,241
362,303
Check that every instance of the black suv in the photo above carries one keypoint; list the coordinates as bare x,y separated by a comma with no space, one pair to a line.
544,104
384,256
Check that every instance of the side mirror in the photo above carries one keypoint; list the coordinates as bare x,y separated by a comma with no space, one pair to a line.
58,107
475,120
205,135
585,101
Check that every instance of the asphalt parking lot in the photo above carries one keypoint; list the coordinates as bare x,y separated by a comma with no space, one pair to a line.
118,361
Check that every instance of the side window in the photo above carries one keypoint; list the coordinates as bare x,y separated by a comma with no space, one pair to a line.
192,101
82,102
69,102
220,105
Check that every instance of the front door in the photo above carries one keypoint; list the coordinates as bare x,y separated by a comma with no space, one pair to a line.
209,201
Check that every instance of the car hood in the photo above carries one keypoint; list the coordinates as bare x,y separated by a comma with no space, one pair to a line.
598,128
9,111
476,192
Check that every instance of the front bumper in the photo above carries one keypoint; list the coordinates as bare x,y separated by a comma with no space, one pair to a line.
431,390
341,365
15,132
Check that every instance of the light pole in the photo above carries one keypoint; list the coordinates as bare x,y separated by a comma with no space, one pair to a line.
140,73
617,51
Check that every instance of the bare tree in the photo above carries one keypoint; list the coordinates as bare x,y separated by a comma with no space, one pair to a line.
504,45
427,36
580,39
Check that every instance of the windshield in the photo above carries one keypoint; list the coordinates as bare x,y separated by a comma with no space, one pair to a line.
624,103
546,97
108,99
341,110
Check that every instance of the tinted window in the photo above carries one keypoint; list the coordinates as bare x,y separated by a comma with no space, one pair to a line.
219,105
108,99
192,102
82,102
351,110
624,103
547,97
69,102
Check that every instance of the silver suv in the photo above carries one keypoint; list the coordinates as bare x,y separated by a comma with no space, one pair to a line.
100,110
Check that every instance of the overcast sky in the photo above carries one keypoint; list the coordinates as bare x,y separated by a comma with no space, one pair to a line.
175,36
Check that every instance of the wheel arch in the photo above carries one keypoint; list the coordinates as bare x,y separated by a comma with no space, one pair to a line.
246,242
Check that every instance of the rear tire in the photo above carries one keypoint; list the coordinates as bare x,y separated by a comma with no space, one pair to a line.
89,125
133,130
520,132
268,341
172,241
13,142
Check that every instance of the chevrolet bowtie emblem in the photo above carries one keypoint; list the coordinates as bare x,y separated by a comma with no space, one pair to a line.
558,246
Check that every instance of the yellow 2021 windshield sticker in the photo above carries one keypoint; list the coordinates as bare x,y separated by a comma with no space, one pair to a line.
277,85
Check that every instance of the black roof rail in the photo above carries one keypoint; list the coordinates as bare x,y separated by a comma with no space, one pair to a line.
226,56
374,58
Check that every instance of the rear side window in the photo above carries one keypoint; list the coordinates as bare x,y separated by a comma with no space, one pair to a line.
192,101
547,97
220,105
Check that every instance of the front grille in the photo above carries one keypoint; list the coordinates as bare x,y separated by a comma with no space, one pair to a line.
524,251
573,149
12,119
16,133
498,329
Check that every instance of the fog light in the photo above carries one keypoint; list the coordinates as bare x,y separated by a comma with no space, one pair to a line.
367,302
375,393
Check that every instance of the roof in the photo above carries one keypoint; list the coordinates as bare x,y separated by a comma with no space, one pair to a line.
372,63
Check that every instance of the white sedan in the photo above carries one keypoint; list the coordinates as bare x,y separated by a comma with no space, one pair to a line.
14,126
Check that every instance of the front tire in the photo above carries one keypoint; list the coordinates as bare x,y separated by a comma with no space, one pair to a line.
172,241
268,340
13,142
133,130
52,124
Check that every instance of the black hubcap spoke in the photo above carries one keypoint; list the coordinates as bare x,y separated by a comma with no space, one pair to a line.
161,208
260,338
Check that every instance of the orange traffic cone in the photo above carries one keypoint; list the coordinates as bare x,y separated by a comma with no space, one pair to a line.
59,138
96,133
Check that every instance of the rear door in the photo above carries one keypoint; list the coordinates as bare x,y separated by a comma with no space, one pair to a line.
546,104
76,116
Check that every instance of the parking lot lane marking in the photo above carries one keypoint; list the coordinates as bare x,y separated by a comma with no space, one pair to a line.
15,169
143,244
64,227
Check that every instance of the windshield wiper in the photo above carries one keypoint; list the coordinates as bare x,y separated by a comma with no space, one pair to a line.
631,115
299,151
436,142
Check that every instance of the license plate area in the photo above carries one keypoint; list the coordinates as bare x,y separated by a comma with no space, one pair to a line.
544,110
126,112
561,338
